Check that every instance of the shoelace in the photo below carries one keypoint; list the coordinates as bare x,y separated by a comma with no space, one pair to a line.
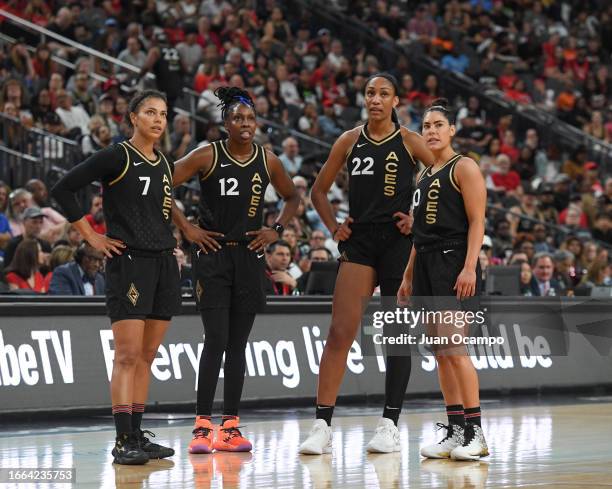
231,432
143,438
201,432
449,432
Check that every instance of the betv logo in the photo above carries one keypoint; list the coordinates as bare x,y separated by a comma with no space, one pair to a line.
25,363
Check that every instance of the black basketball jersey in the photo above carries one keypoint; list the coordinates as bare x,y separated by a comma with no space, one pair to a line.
232,192
439,211
380,177
168,72
138,202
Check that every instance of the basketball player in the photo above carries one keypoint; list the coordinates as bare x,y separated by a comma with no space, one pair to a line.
449,214
229,268
142,276
374,246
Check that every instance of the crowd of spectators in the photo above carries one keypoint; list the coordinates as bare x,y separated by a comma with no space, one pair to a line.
305,77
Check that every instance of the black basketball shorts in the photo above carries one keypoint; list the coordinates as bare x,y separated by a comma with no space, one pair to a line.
436,269
382,247
232,277
143,285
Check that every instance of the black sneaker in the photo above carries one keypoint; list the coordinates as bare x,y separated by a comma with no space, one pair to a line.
153,450
127,450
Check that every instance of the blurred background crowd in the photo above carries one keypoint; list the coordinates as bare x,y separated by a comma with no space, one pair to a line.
550,199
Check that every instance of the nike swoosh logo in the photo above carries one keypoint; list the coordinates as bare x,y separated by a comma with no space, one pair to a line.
227,164
446,251
136,163
362,144
198,253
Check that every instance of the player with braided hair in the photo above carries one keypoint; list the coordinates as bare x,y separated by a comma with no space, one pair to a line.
229,264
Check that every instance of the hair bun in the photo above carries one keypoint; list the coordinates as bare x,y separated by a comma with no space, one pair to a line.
441,102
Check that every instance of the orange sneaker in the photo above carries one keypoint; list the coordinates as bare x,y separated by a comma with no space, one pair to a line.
229,438
202,441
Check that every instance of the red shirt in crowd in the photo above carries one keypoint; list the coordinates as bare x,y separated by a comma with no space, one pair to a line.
509,181
98,227
41,283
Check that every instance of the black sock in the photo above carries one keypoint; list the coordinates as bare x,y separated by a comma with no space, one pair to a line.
123,418
472,415
325,412
392,413
455,414
137,412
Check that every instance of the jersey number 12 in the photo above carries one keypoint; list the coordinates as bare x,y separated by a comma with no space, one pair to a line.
229,186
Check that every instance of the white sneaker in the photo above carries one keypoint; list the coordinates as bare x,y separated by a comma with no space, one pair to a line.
319,439
386,438
443,449
474,444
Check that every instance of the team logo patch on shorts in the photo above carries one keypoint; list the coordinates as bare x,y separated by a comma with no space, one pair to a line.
133,294
199,290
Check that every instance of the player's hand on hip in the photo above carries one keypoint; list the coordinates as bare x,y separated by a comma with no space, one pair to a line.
465,286
343,232
403,222
204,238
404,292
262,238
106,245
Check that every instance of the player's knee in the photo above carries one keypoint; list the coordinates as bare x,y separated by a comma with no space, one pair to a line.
340,338
148,355
127,357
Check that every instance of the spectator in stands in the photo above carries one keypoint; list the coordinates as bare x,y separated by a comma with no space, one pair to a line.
181,140
71,236
96,215
82,93
291,158
542,242
189,50
41,106
502,238
504,177
309,121
74,117
32,225
80,277
290,236
421,26
60,255
598,275
19,200
5,227
602,227
588,255
330,127
43,65
23,272
106,107
14,92
543,269
574,166
509,147
278,258
473,135
52,147
132,54
53,224
315,254
565,271
99,136
528,283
